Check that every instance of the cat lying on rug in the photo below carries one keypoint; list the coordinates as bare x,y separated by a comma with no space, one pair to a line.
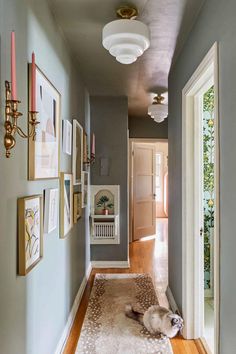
157,320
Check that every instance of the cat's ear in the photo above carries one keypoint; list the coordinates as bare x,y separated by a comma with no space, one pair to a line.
172,315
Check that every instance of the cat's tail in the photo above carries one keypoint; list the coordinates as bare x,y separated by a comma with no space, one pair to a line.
135,315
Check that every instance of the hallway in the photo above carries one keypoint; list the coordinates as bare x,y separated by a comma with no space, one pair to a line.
146,256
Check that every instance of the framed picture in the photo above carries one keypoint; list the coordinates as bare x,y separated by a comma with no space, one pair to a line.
77,154
30,232
66,204
50,210
67,137
77,206
44,150
85,148
85,186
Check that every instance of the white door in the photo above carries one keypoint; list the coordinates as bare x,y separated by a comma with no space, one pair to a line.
144,205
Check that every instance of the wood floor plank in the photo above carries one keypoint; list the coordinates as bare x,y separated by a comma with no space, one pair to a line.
143,259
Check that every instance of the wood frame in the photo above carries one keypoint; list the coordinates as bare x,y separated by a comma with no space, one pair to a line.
22,269
83,187
192,279
85,147
31,142
65,176
76,126
77,199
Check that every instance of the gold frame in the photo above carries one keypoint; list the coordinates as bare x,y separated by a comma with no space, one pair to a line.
31,142
22,270
62,180
76,196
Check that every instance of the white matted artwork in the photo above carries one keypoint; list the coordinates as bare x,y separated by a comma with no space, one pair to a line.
85,188
44,150
67,137
50,209
77,153
30,233
66,204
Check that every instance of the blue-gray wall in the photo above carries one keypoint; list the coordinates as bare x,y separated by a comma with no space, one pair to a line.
34,309
216,22
109,122
146,127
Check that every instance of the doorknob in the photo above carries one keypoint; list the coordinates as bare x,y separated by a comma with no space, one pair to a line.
201,231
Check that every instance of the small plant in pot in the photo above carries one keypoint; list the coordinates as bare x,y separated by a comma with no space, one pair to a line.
104,202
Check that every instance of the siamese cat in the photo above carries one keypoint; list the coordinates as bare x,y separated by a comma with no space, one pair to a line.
157,320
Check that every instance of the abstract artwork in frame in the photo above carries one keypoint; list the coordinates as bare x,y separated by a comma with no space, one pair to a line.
30,232
77,206
77,154
66,204
67,137
85,186
43,151
51,197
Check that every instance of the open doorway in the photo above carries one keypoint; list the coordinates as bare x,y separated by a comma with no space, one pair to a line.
200,210
149,204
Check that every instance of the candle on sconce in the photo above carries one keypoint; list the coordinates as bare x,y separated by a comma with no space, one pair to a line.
93,144
13,67
33,84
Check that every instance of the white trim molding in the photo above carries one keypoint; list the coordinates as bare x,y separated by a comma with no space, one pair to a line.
110,264
192,244
65,334
170,297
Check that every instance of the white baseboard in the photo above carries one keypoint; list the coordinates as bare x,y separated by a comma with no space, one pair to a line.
170,297
110,264
62,342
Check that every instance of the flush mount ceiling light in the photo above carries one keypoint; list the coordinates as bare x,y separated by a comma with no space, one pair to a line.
158,110
126,39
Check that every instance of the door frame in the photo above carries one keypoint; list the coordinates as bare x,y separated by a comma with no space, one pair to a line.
130,179
191,240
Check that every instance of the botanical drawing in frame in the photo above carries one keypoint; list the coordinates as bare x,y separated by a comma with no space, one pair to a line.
50,209
44,149
77,206
77,153
66,204
85,186
30,232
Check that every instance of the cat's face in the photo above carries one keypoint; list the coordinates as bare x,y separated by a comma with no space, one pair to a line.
176,322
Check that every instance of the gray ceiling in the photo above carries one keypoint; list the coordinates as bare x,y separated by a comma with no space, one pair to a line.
169,21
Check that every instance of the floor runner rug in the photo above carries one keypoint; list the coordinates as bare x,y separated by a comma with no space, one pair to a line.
106,329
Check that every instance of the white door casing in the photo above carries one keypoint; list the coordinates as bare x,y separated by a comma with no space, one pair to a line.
192,211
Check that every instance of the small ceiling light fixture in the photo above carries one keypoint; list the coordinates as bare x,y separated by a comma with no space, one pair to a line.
158,110
126,39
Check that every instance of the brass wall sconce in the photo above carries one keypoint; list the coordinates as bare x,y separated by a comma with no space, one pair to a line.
11,121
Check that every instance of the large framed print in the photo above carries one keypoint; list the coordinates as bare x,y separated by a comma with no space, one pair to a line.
30,232
44,149
77,152
66,203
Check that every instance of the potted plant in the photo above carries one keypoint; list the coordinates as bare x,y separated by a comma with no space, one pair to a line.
104,202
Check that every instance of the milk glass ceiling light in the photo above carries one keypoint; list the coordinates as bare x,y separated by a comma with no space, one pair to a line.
126,39
158,110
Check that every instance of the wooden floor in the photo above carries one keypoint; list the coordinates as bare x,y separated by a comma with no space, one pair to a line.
145,257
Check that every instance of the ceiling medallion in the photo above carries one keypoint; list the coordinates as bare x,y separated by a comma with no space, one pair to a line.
126,39
158,110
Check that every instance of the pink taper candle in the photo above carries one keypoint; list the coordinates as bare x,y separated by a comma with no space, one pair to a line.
13,67
93,144
33,84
